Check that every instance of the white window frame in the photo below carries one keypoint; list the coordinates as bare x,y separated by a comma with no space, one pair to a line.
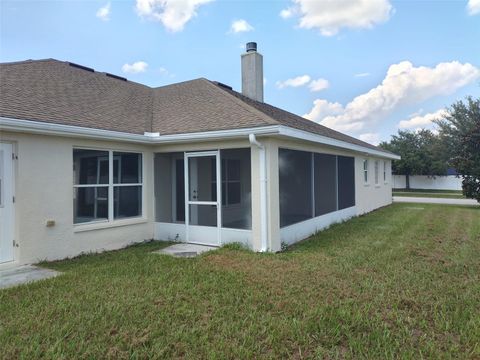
385,164
110,187
366,180
377,172
2,181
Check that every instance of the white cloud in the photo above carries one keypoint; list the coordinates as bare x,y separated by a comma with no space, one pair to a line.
173,14
287,13
323,108
104,12
417,121
239,26
362,74
403,84
295,82
135,68
473,7
318,85
265,81
372,138
330,16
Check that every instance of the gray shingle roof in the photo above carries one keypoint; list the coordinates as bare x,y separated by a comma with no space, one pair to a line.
54,91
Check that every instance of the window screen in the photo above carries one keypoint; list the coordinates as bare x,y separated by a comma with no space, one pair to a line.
169,187
325,171
236,188
346,182
295,181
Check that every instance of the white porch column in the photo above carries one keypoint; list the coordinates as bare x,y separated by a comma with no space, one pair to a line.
271,199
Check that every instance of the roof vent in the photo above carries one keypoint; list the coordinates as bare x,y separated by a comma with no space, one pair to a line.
81,67
251,46
116,77
222,85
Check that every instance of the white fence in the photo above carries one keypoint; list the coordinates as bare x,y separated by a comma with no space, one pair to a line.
450,182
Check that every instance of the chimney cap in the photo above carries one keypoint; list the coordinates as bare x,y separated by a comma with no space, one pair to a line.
251,46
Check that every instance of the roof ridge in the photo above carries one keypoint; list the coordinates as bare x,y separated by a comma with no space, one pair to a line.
243,104
29,61
177,83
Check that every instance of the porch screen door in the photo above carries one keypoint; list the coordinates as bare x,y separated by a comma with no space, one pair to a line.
203,197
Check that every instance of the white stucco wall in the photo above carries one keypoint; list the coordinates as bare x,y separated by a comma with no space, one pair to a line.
450,182
370,196
44,191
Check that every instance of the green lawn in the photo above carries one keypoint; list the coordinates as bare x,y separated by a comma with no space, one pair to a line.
447,194
402,282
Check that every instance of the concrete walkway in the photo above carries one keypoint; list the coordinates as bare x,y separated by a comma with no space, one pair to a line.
185,250
423,200
18,275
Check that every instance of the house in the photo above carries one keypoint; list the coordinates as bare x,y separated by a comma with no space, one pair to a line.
91,161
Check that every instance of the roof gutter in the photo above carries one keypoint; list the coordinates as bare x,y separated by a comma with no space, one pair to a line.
308,136
44,128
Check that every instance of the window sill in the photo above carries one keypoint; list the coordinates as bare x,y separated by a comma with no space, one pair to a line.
377,185
108,225
366,184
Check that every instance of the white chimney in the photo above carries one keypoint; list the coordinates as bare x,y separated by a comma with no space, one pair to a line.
252,73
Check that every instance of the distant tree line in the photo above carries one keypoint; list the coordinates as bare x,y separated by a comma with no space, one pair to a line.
456,145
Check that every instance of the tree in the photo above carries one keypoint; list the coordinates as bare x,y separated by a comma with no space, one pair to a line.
460,134
421,154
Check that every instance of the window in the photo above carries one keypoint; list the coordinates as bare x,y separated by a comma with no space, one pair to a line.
127,185
231,191
385,172
365,171
107,185
376,172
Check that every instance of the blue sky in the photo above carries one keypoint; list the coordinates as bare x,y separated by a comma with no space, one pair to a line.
380,64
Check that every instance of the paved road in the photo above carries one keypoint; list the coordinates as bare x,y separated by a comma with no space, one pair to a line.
423,200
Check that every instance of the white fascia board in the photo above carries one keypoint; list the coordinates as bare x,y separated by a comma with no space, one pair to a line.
308,136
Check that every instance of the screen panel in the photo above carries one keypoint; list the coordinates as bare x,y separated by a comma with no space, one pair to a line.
295,181
346,182
325,168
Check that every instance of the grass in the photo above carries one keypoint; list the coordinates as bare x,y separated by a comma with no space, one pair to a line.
446,194
402,282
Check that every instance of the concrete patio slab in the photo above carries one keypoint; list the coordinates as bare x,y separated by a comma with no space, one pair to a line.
185,250
18,275
422,200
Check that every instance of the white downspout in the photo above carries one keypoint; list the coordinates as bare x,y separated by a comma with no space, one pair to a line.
263,190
